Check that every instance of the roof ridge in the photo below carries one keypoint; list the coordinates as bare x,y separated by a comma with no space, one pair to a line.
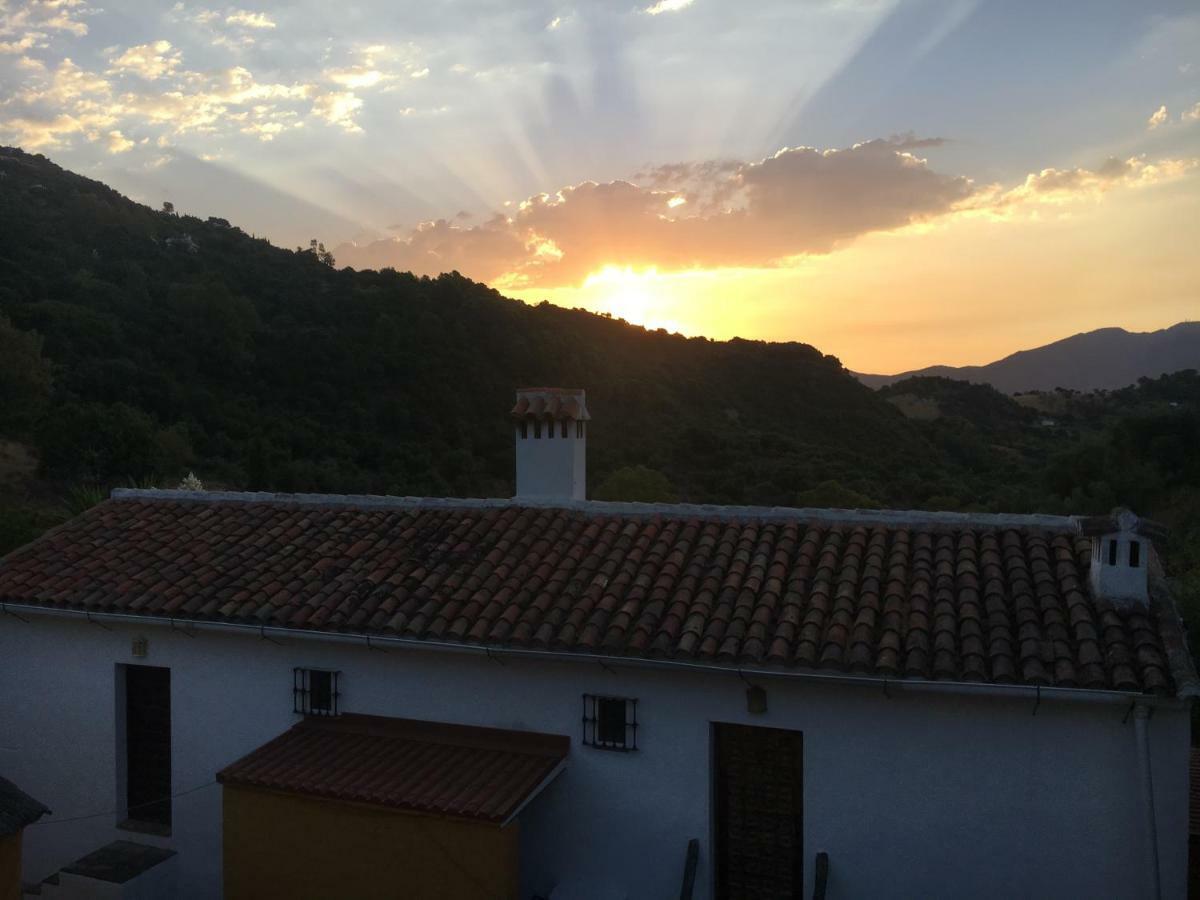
895,517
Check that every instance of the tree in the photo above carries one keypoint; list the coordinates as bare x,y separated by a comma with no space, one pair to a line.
833,494
639,484
168,207
317,249
24,378
98,442
17,527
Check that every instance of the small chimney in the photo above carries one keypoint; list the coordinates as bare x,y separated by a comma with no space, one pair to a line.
1120,556
551,435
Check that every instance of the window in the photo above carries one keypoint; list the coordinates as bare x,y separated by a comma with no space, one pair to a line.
146,751
610,723
1135,554
550,428
524,429
579,429
564,428
537,428
315,692
1112,552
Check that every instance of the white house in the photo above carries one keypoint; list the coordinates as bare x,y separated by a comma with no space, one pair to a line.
310,695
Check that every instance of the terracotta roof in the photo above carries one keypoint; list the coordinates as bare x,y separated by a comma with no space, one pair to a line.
17,808
1000,600
429,767
551,403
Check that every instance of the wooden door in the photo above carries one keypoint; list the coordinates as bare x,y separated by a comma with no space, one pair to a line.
759,813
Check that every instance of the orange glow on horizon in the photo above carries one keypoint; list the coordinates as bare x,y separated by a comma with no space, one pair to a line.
961,290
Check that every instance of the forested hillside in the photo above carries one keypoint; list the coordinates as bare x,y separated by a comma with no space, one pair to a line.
137,345
155,343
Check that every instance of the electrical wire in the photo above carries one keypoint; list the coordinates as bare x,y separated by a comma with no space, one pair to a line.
113,812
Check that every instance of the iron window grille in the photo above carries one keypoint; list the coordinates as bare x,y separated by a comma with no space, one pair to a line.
315,692
610,723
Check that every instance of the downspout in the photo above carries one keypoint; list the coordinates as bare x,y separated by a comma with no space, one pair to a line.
1141,719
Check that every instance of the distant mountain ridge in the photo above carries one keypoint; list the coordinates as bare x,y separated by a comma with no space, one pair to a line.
1104,359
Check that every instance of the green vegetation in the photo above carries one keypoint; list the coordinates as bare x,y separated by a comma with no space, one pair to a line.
138,344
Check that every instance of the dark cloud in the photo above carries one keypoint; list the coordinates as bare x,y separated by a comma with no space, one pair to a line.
798,201
908,140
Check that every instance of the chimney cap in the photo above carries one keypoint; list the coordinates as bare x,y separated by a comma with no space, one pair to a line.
1121,519
551,403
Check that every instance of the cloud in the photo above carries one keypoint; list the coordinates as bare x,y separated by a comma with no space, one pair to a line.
230,28
1190,115
554,23
24,26
909,141
26,41
54,107
799,201
726,213
150,61
1060,186
249,19
1157,118
376,65
338,108
118,143
666,6
356,76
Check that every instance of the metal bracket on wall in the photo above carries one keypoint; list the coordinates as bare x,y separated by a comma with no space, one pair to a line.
97,622
494,657
1038,701
184,631
262,634
374,647
9,612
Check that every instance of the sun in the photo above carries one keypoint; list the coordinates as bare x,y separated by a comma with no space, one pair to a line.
622,292
639,297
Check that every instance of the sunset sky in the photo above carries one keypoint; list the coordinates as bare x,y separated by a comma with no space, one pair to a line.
897,183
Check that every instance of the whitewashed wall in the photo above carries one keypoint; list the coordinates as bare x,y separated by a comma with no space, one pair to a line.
914,796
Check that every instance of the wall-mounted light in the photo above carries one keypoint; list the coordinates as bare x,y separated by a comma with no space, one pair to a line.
756,699
141,646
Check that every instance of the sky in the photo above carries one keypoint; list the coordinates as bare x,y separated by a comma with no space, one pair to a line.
898,182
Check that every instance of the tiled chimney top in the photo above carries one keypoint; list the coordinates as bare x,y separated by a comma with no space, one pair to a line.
551,403
1121,551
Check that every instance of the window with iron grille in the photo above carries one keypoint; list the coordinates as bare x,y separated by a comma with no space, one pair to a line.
315,692
610,723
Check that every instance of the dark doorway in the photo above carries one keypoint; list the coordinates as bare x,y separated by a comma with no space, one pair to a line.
759,813
148,747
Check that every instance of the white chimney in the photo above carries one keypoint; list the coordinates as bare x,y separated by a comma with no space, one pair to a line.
1120,556
551,435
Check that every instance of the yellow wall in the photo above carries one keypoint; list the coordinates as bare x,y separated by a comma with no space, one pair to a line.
10,867
292,848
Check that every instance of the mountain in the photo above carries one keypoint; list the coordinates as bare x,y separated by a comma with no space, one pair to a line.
145,344
1104,359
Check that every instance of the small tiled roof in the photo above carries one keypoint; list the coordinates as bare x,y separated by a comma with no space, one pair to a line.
551,403
17,808
994,599
454,770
